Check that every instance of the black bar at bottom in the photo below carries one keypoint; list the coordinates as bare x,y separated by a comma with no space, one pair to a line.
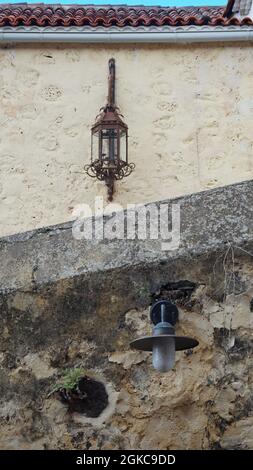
109,459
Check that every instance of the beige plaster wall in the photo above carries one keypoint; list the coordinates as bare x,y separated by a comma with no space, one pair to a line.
189,111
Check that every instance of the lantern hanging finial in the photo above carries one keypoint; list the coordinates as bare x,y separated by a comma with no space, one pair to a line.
109,150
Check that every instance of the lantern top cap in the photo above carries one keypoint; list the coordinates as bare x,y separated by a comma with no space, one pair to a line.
109,117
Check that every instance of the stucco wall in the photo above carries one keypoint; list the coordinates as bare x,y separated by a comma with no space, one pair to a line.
188,109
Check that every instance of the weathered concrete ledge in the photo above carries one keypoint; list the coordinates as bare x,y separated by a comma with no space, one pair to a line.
209,221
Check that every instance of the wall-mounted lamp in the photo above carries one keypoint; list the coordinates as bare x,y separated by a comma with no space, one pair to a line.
109,142
163,342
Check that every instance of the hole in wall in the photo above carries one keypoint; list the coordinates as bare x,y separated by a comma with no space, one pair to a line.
179,292
88,397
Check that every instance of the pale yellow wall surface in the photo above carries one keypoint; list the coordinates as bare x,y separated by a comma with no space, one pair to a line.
189,110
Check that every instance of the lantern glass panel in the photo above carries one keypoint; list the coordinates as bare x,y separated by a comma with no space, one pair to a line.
123,144
109,147
95,146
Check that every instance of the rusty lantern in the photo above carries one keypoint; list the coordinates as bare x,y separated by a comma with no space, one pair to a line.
109,142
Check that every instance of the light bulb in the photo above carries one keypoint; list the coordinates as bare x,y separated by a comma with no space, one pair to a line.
164,354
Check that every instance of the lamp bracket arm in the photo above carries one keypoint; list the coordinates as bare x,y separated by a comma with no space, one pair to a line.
111,84
164,311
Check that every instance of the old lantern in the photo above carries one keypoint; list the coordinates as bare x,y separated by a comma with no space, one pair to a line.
109,142
164,343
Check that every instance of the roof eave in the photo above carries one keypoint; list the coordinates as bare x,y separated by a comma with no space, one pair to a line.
166,34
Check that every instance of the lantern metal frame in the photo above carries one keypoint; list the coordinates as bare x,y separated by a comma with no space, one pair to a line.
110,129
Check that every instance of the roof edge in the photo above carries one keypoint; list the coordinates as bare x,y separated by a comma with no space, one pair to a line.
166,34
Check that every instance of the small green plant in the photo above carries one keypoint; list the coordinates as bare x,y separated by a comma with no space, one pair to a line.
69,380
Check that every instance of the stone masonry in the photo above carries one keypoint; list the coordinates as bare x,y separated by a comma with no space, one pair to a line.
69,304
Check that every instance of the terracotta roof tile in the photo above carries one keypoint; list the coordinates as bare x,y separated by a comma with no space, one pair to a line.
23,14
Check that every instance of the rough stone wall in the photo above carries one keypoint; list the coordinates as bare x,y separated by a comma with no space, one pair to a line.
188,109
205,402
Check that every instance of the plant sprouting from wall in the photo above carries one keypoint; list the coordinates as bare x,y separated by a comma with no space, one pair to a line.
81,392
69,380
